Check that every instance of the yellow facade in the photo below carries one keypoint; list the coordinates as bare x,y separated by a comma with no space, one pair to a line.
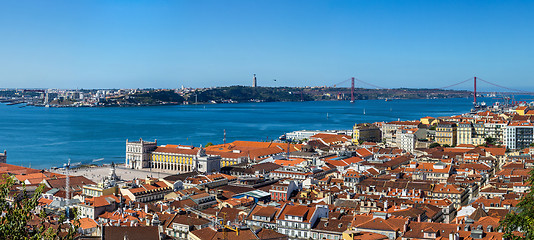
97,191
225,163
446,135
355,134
172,162
429,121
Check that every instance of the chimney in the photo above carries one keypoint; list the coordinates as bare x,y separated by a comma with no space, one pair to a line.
406,226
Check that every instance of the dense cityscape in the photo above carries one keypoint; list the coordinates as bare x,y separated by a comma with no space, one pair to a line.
268,120
449,177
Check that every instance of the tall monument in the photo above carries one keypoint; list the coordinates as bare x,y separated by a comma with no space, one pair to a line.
254,83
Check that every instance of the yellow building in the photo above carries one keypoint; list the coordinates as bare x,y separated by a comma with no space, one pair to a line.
521,110
471,133
98,190
429,121
184,159
446,133
174,157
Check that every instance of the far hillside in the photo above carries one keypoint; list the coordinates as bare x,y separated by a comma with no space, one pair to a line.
248,94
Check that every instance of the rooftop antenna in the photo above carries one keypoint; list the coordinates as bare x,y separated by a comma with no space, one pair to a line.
224,138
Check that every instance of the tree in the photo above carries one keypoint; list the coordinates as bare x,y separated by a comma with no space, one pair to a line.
522,219
208,144
433,145
16,216
490,141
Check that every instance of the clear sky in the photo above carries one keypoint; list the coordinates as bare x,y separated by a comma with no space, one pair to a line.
167,44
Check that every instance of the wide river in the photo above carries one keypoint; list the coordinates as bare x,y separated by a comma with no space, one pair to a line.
48,137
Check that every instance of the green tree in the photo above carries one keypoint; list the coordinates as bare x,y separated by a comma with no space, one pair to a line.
433,145
17,215
208,144
522,219
490,141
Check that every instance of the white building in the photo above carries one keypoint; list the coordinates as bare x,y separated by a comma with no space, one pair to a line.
495,130
406,139
207,164
303,134
138,153
296,221
518,135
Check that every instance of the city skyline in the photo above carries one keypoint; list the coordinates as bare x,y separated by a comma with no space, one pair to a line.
314,43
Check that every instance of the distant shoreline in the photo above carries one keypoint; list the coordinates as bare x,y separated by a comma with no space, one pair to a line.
208,103
232,94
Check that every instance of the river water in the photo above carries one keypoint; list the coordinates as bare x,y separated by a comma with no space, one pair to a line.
47,137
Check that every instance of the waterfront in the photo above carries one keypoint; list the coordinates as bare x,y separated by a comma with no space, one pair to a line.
47,137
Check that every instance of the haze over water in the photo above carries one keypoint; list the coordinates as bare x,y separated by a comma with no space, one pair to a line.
48,137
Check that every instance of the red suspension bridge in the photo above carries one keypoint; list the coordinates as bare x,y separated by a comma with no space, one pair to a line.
448,87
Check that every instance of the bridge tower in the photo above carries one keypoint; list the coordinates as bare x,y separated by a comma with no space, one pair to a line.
352,91
475,92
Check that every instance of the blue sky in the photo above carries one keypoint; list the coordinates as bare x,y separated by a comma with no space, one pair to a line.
167,44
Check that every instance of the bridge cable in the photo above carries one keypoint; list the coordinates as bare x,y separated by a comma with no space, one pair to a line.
507,88
372,85
467,80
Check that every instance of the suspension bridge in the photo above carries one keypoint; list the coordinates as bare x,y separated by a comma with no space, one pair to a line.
474,80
